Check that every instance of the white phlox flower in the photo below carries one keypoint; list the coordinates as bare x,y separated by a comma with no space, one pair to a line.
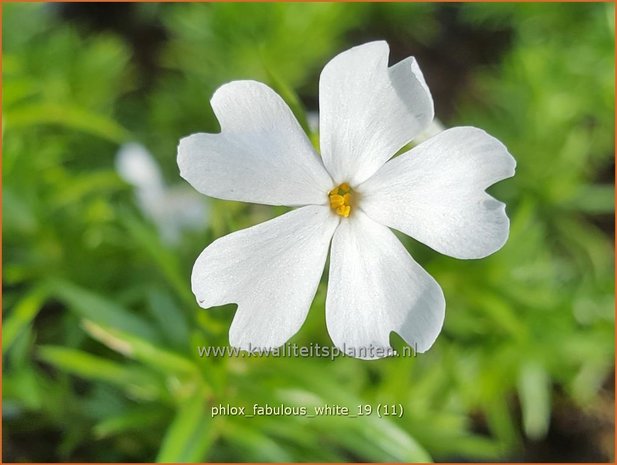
172,209
348,199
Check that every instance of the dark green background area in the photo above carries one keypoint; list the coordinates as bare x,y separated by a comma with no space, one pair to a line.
100,328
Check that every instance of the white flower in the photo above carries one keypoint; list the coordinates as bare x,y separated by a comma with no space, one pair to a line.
348,198
171,209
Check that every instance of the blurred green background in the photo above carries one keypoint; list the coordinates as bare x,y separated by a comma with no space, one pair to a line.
100,328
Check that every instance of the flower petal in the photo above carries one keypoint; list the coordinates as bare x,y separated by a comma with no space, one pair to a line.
435,193
261,154
376,287
271,271
138,167
369,111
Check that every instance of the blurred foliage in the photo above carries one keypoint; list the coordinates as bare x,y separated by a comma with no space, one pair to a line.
100,328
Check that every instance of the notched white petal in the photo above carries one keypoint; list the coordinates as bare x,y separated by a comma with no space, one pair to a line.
271,271
376,288
435,193
369,111
409,83
261,154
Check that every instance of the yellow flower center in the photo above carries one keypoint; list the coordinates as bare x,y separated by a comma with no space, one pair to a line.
340,199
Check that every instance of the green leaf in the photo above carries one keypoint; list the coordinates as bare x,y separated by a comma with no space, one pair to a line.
26,386
162,257
394,441
22,315
134,380
257,445
290,97
534,388
85,184
500,311
101,310
169,317
17,89
139,418
190,435
71,117
140,349
17,214
594,199
500,420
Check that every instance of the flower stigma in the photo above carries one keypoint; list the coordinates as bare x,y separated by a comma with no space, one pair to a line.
340,199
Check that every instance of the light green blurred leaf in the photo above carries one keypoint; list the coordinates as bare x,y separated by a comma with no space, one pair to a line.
140,417
91,306
22,315
290,97
594,199
93,368
168,316
24,385
94,183
17,214
190,435
71,117
163,257
534,390
140,349
249,441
